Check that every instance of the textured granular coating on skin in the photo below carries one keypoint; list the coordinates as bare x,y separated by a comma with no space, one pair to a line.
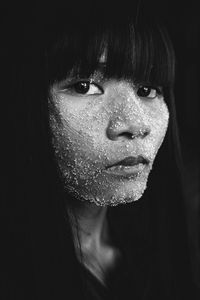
89,133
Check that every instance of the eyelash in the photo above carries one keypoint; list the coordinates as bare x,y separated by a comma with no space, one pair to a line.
157,91
78,87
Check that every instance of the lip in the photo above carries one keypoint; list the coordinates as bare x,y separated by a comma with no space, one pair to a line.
128,167
126,171
130,161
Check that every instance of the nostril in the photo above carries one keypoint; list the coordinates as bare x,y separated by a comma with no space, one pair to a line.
146,132
134,134
142,133
126,134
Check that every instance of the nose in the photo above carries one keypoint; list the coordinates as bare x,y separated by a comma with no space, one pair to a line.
129,117
119,129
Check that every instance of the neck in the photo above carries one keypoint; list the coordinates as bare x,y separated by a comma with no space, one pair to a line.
92,224
98,253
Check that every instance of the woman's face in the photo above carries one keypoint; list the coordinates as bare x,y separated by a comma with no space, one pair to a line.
106,134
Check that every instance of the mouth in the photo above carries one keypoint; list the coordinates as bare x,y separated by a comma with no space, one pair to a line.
128,167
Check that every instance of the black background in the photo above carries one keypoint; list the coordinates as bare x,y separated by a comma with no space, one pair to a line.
183,23
181,19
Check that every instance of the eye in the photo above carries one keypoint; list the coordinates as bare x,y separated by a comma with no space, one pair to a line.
148,92
84,88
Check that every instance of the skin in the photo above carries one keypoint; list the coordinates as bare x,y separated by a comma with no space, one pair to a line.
100,255
92,131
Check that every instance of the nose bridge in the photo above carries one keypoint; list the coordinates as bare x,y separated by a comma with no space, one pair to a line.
128,117
126,104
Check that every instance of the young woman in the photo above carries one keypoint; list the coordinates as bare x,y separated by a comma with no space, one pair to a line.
99,164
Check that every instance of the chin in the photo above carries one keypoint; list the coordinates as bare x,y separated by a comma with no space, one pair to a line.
110,192
120,195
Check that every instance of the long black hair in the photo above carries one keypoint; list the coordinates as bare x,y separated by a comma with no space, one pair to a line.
53,44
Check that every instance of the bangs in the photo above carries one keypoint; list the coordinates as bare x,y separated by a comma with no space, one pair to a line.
139,52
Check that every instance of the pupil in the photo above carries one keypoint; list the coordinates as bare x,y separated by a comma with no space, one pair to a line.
144,91
82,87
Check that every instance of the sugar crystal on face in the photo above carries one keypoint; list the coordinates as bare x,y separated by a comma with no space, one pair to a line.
90,133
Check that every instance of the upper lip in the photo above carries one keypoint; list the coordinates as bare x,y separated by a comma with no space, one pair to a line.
130,161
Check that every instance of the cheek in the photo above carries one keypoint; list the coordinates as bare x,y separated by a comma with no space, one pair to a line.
75,148
160,125
157,117
86,119
78,127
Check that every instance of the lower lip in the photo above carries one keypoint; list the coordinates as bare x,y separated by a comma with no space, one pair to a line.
126,171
